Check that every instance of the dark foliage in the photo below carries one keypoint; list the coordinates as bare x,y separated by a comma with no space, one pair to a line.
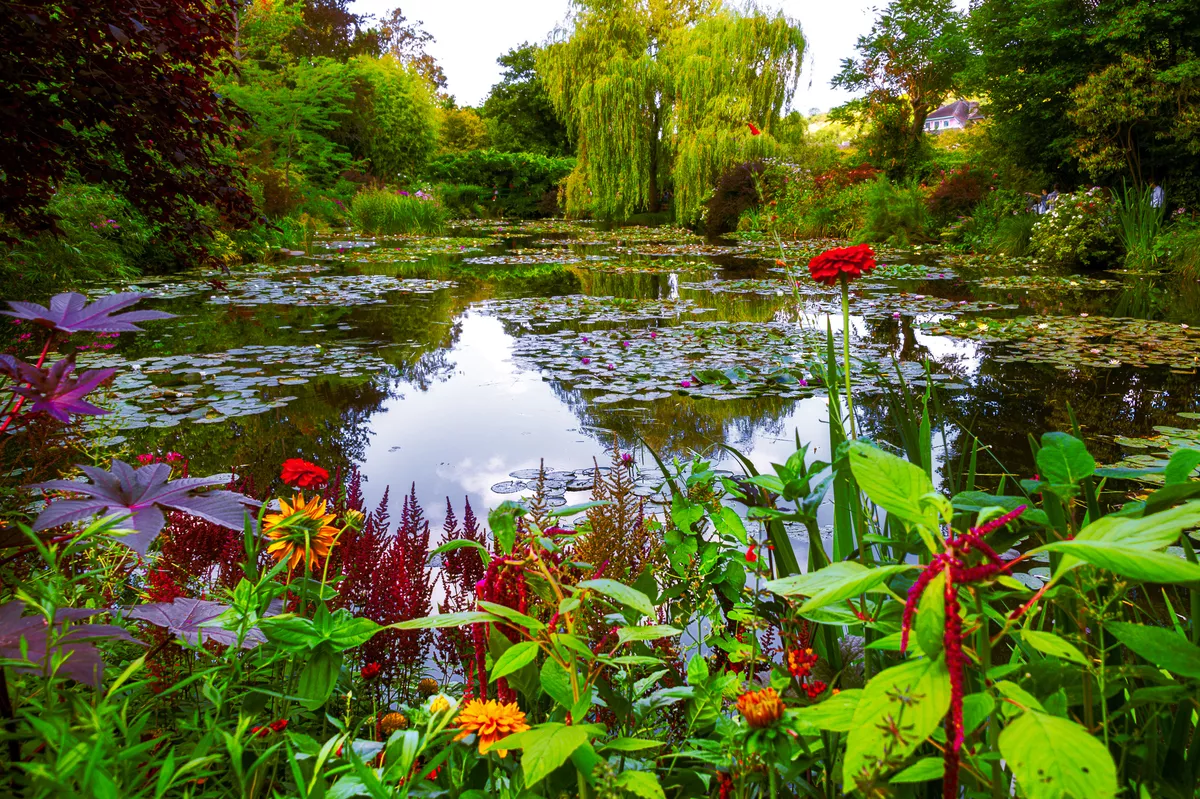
118,92
958,193
737,191
329,28
518,111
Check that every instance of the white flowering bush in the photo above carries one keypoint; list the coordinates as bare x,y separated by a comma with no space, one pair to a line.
1079,230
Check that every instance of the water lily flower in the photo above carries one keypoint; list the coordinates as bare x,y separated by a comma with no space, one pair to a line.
612,366
685,383
585,360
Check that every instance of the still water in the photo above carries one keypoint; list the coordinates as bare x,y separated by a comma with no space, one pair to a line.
454,363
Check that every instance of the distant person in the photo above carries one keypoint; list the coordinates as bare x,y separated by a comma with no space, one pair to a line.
1158,197
1039,202
1052,197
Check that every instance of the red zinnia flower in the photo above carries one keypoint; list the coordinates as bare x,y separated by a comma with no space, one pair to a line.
370,670
754,131
842,263
301,473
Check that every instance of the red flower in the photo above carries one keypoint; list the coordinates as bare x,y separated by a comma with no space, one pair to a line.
841,263
370,670
279,725
751,557
754,131
301,473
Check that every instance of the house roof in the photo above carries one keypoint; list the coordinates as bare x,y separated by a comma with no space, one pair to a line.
962,110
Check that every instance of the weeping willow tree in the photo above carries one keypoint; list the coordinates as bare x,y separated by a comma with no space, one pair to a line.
662,93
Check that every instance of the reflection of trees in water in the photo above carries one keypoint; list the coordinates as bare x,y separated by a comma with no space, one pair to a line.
680,425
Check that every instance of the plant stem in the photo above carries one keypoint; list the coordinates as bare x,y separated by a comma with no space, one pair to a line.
771,776
12,414
846,353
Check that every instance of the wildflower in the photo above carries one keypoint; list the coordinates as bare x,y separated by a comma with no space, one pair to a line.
392,722
815,688
800,662
842,263
953,563
427,687
300,531
491,722
754,131
761,709
299,472
369,671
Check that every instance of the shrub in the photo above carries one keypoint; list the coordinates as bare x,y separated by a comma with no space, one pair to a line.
958,192
1180,245
895,214
383,211
524,185
1080,230
737,191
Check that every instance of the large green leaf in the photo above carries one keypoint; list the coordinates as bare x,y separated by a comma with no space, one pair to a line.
650,633
1053,758
914,697
930,626
1183,462
1064,460
643,784
893,484
812,583
1147,532
925,769
1054,645
517,656
835,713
1138,564
318,676
546,747
446,620
1164,648
629,597
869,581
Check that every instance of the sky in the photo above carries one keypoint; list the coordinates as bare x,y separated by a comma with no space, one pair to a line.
470,35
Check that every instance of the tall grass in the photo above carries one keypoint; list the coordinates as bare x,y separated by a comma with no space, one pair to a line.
896,214
1013,234
1180,247
382,211
1139,223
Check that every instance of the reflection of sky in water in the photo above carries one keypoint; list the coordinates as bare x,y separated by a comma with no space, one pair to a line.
469,432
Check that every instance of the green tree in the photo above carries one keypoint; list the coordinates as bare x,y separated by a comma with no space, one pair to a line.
461,130
910,62
1094,88
394,121
517,111
659,93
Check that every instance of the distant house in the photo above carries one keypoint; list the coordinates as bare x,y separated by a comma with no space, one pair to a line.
953,116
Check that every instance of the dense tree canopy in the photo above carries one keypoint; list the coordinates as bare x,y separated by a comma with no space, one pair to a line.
119,92
659,94
518,112
1093,89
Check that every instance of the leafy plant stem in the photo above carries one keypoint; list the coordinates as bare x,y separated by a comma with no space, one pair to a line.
984,643
846,353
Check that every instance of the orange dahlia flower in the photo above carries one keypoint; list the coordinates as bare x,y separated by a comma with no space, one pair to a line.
491,721
761,708
841,263
300,531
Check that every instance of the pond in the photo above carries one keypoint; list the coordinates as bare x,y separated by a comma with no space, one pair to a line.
462,363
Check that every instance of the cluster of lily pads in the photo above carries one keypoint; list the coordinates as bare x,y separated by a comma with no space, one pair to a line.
584,309
1152,453
1070,342
718,360
164,391
338,290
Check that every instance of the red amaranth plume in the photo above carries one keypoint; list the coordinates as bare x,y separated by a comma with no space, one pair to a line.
953,563
461,570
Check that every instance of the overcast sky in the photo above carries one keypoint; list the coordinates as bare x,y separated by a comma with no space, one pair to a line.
471,33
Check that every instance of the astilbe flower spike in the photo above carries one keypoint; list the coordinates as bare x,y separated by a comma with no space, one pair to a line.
953,564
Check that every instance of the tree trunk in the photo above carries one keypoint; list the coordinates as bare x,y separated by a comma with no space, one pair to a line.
652,198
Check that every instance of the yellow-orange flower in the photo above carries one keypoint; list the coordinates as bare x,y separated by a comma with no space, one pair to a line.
491,721
300,531
761,708
392,722
427,687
